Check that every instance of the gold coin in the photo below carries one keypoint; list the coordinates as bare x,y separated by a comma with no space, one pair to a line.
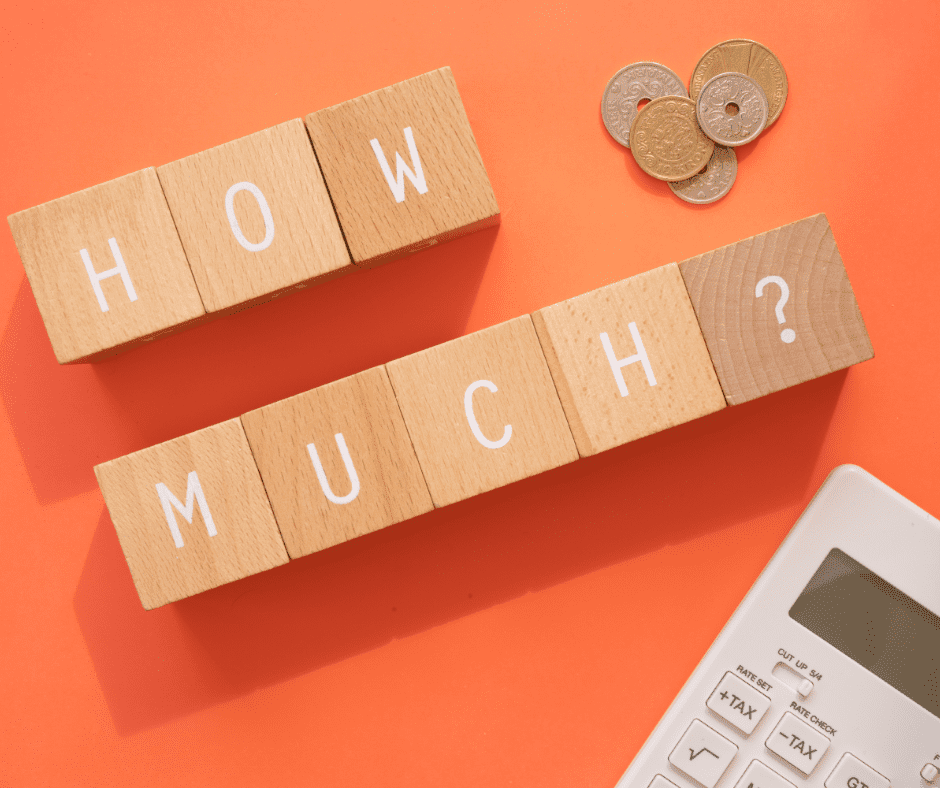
745,57
667,141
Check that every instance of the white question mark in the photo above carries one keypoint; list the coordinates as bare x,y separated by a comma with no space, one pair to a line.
788,334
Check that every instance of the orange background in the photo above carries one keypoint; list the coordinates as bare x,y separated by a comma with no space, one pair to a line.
530,636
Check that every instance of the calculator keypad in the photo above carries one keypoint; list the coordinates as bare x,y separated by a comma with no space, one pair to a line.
738,703
703,754
798,744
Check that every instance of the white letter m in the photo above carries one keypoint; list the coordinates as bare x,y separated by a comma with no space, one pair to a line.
193,493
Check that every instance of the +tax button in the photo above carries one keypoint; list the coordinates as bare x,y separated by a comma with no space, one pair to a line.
738,704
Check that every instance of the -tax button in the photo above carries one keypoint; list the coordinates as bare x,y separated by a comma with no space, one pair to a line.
930,773
738,703
850,772
798,744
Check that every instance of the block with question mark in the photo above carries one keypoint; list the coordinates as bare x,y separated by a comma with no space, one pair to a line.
776,309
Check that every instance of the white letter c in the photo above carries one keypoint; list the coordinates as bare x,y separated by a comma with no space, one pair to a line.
472,419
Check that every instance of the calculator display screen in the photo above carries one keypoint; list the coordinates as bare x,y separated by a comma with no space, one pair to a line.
881,628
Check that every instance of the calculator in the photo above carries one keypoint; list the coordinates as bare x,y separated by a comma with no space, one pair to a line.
828,673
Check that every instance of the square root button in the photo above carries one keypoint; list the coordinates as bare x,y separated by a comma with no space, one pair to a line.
738,704
798,744
703,754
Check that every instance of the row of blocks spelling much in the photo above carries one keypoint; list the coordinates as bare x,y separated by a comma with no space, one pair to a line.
484,410
161,249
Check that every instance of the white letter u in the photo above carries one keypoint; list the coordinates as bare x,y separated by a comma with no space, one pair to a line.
321,474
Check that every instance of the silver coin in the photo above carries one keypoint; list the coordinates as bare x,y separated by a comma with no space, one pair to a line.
732,109
628,87
712,183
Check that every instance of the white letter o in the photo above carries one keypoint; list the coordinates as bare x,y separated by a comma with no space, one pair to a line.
265,213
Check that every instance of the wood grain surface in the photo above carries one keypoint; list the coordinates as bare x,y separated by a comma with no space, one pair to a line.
603,411
743,332
458,197
431,387
131,210
300,235
388,486
246,539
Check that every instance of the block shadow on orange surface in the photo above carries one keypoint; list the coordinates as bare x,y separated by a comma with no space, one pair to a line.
698,478
67,419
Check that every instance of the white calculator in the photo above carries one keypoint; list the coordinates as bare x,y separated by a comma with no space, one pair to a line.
828,673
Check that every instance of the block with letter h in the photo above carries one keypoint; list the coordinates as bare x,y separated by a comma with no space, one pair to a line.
629,360
153,252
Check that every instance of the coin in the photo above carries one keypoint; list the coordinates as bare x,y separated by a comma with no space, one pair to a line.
745,57
732,109
712,183
666,140
628,87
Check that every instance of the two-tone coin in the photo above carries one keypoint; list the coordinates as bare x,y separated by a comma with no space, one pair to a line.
745,57
732,109
666,139
628,87
712,183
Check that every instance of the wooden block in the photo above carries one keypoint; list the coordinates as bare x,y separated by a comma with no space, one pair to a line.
482,411
106,267
255,217
191,514
337,462
777,309
403,168
628,360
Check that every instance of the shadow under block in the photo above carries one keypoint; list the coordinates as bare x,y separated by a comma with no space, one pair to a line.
357,421
191,514
482,411
403,168
106,267
254,217
628,360
806,322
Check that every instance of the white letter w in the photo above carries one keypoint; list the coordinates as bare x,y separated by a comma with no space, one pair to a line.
193,493
397,183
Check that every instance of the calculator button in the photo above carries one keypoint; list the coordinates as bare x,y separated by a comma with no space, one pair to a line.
738,703
758,775
798,744
929,773
703,754
850,772
661,782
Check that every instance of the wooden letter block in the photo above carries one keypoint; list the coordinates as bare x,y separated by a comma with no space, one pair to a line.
628,360
482,411
777,309
255,217
337,462
106,267
191,514
403,168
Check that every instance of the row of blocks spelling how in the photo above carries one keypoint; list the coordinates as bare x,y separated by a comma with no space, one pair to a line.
484,410
159,250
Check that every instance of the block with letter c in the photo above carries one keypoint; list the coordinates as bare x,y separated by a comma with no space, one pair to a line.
482,411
